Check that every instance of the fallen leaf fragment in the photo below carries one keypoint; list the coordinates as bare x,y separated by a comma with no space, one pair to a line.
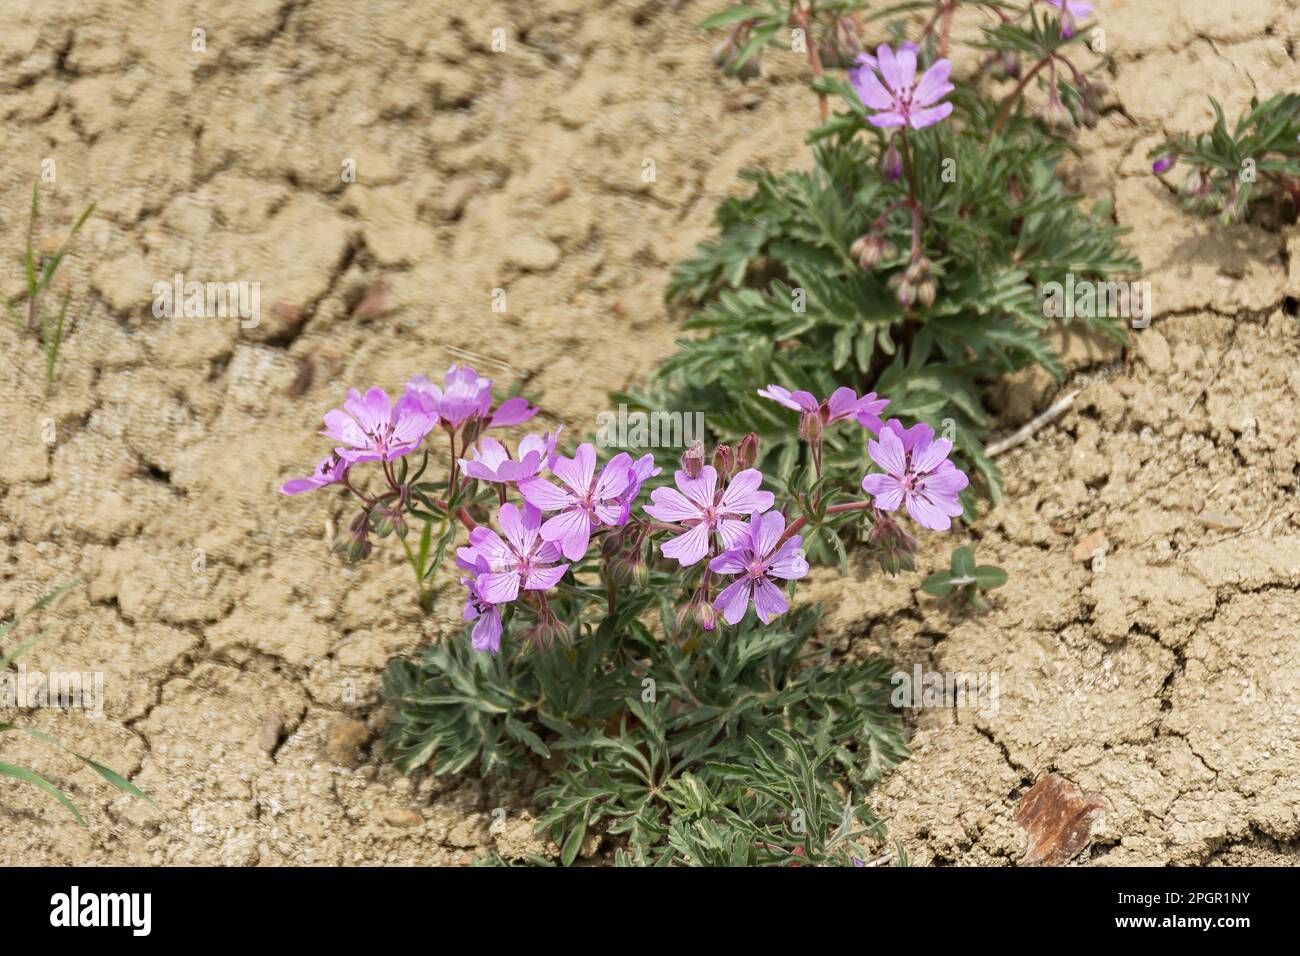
1059,818
1086,547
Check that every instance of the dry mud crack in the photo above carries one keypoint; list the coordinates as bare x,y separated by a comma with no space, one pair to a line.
243,696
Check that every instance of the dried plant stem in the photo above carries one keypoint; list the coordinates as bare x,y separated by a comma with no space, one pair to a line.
1031,428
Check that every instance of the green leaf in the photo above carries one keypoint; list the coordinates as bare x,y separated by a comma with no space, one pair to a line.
939,584
116,779
20,773
573,843
735,15
988,577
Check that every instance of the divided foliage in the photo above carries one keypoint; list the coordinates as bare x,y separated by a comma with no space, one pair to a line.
781,299
719,750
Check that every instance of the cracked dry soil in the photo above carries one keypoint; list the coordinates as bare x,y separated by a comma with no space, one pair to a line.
243,697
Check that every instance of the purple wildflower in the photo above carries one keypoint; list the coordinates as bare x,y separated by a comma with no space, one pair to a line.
704,509
842,405
1164,163
332,469
465,394
585,503
486,635
910,436
901,100
376,428
521,559
758,558
1072,11
641,469
490,461
921,478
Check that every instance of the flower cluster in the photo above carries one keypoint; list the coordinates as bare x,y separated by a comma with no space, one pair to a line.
716,529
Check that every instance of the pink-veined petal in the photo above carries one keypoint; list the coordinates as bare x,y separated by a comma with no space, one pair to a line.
671,505
870,90
886,491
769,602
766,531
577,472
898,70
734,534
925,513
926,458
789,562
571,530
498,587
540,493
946,481
540,579
614,477
934,84
734,600
928,117
688,548
732,561
886,120
700,489
512,411
487,633
743,496
888,453
488,543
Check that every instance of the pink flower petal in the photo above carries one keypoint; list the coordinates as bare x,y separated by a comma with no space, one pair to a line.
498,587
541,494
733,601
743,496
671,505
888,453
769,602
688,548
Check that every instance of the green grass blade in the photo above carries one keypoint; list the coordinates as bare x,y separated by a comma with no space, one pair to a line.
29,776
22,649
116,779
43,602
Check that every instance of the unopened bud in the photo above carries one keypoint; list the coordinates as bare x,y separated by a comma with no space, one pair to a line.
724,460
925,293
1054,113
891,164
693,459
747,452
895,547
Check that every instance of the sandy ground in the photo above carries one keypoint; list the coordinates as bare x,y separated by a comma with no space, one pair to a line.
242,662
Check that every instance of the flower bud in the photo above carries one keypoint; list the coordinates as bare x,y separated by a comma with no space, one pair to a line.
891,164
1011,66
612,545
925,293
869,250
810,426
918,270
548,629
1164,162
904,291
747,452
706,616
724,459
895,547
1054,113
693,459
